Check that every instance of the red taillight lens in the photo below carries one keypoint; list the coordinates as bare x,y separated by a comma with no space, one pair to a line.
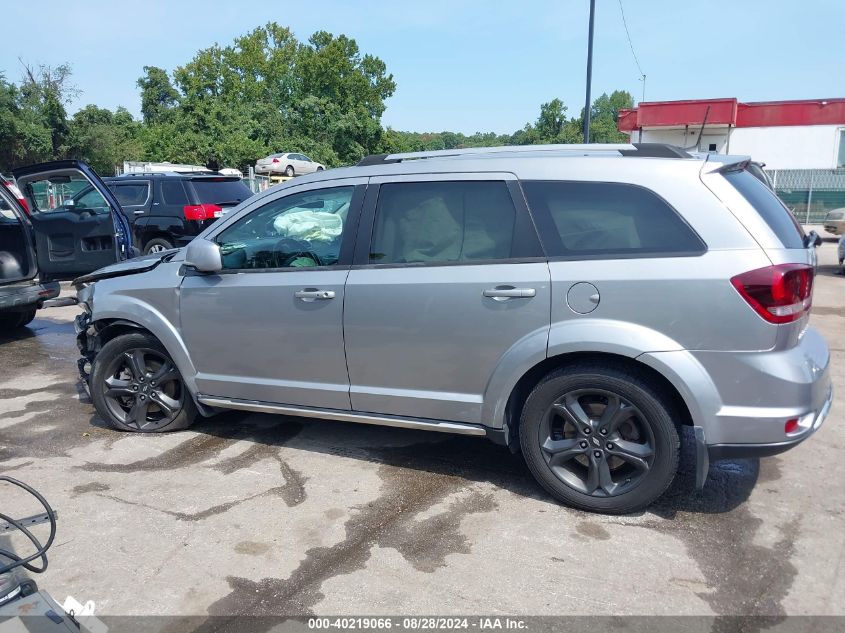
275,160
17,193
202,211
779,294
790,426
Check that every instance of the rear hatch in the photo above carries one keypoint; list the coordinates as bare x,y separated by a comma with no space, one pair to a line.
782,292
214,195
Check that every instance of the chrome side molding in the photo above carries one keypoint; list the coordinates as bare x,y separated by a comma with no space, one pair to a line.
344,416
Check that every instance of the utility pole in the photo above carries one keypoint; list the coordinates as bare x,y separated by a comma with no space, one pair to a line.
587,105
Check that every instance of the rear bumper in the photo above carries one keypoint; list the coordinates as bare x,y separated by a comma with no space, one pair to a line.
27,297
757,392
718,452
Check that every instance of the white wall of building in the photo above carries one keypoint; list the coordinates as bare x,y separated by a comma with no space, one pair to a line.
782,147
788,147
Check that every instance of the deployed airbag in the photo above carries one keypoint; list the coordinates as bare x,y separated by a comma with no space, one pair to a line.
311,226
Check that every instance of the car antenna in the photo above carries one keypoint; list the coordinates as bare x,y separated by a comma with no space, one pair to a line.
701,131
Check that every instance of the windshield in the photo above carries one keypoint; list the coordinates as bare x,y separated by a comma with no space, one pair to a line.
220,191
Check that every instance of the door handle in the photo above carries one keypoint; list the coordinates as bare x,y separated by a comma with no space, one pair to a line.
310,294
138,212
502,293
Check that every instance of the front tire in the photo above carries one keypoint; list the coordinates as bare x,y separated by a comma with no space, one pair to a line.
136,386
600,438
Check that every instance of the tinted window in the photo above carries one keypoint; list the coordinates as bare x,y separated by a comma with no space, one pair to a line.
133,194
298,231
770,208
607,219
216,191
90,199
433,222
172,192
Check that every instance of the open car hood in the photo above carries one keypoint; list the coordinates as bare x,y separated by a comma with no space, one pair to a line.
129,267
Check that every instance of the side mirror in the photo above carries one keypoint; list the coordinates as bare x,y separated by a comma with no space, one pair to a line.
204,256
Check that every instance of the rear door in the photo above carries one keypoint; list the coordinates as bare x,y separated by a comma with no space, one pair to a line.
449,275
71,241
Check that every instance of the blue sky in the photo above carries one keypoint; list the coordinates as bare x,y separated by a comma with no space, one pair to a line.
464,65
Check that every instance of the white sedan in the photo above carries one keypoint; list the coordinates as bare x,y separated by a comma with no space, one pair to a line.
289,164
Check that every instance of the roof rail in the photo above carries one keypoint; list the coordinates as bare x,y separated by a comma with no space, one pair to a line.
650,150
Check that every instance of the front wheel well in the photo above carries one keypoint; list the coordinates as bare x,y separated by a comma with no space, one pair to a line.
524,386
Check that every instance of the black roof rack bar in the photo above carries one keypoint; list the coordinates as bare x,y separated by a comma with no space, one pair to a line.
656,150
641,150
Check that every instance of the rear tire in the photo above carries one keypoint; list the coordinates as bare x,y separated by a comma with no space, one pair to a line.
136,386
26,318
14,320
10,320
157,245
289,172
600,438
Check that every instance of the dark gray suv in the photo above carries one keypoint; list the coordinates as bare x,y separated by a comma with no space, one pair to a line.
577,303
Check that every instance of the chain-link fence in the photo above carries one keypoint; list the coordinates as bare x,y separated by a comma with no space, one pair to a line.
810,193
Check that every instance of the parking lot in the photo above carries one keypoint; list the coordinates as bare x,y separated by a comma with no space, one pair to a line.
260,514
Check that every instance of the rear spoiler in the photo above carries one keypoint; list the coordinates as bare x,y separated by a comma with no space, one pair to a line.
721,164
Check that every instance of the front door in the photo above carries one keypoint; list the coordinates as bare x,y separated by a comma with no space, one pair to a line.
72,239
269,327
452,278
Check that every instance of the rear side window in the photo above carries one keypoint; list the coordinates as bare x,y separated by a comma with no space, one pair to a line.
442,222
172,192
770,208
595,219
217,191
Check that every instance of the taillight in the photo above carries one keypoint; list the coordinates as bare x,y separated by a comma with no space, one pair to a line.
780,294
275,160
202,211
18,195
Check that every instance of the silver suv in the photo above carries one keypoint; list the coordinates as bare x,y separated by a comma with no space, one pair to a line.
577,303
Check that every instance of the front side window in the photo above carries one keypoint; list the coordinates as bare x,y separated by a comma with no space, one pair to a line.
62,191
443,222
596,219
90,199
302,230
133,194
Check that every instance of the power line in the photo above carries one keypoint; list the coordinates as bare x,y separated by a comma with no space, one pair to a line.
631,44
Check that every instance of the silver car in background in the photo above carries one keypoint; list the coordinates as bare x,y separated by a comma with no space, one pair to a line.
580,304
834,222
287,164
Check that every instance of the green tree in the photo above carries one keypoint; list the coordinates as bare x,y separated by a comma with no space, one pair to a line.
103,138
158,96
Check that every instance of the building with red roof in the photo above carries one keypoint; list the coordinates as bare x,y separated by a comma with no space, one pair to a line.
806,134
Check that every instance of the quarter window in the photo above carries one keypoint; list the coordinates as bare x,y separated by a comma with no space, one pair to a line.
586,219
173,192
441,222
302,230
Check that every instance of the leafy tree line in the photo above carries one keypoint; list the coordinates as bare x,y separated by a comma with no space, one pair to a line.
266,92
